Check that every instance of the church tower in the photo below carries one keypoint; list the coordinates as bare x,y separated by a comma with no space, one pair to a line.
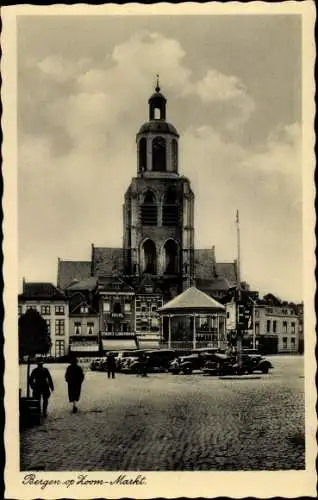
158,211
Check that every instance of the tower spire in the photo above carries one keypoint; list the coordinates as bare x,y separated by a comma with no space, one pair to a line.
157,86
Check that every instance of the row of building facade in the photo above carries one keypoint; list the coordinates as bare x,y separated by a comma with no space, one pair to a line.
96,315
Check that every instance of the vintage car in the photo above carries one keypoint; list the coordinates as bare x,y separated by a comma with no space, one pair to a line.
227,364
187,364
125,358
155,361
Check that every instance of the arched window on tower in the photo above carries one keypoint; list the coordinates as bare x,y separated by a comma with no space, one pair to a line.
149,210
159,154
170,209
157,113
149,257
171,257
142,154
174,147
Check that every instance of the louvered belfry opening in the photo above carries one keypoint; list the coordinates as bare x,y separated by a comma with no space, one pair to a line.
170,209
149,210
150,257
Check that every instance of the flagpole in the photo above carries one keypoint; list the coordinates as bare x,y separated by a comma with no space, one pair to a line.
239,342
238,236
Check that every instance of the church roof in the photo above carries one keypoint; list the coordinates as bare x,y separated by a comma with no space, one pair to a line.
39,290
204,263
192,300
211,285
107,259
86,284
227,270
113,284
158,126
70,270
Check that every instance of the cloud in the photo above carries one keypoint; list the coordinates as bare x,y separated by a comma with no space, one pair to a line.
265,185
77,155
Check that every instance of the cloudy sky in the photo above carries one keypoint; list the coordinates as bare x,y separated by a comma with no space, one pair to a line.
233,85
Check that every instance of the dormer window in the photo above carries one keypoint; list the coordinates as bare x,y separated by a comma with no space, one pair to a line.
84,309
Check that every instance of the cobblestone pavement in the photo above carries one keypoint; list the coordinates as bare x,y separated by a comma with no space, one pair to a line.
173,422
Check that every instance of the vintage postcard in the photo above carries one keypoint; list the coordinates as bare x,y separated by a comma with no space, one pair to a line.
159,250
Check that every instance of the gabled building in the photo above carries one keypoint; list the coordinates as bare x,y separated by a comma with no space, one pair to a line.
52,304
83,316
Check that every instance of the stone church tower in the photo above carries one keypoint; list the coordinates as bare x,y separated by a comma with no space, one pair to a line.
158,212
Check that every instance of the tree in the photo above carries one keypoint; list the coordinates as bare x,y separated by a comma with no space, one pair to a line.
34,338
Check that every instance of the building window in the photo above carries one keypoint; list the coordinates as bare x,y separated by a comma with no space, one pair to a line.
59,348
77,327
293,342
110,327
117,308
149,210
45,310
125,327
19,310
269,310
268,326
170,209
90,328
284,311
127,306
48,324
274,326
59,327
284,326
31,307
59,310
256,328
159,154
84,309
142,154
227,315
293,330
284,342
106,306
174,147
256,313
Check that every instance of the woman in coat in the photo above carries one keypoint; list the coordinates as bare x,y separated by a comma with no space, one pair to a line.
74,377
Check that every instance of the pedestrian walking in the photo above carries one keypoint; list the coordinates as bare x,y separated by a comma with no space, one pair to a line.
111,365
74,377
42,385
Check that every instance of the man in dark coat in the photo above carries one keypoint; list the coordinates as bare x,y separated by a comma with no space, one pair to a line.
74,377
111,365
42,384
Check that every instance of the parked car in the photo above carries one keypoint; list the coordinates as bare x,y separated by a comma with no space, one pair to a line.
124,358
95,363
224,364
156,361
187,364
